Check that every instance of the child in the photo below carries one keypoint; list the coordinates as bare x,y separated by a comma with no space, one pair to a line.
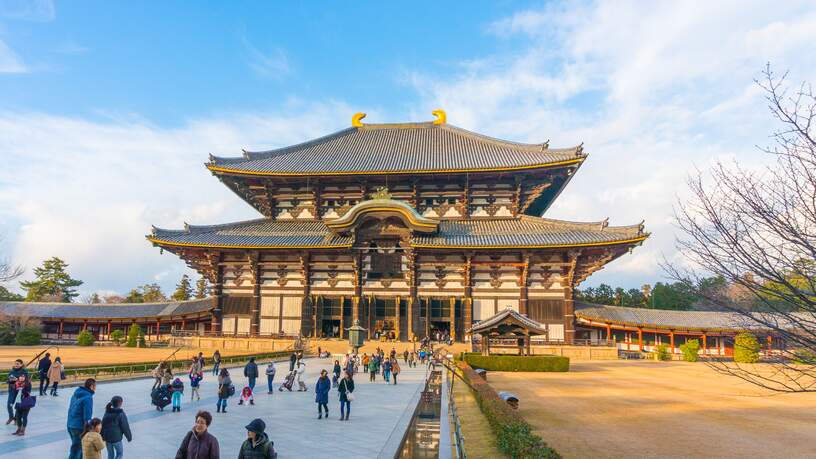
177,388
246,394
270,375
195,381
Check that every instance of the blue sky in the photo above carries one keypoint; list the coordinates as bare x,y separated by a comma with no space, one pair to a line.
109,109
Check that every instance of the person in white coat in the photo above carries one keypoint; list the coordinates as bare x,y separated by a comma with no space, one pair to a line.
300,370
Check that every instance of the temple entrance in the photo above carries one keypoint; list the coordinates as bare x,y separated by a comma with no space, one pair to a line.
330,328
440,330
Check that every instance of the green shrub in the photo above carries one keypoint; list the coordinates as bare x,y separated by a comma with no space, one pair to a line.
28,336
746,348
532,363
514,436
117,336
134,335
662,352
6,334
804,357
690,350
85,338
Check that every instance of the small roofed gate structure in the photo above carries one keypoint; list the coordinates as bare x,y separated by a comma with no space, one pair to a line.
505,326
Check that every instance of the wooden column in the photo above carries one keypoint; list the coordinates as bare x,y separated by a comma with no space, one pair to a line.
705,344
769,340
640,339
466,199
218,294
316,200
61,327
453,318
158,327
308,319
413,302
255,305
467,311
608,334
371,306
357,264
568,274
183,323
397,320
85,324
342,316
109,328
523,283
671,341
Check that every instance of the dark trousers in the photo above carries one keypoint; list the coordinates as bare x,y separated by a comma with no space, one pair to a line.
269,379
321,407
345,408
12,396
22,417
216,366
76,443
252,383
394,375
54,388
371,376
44,382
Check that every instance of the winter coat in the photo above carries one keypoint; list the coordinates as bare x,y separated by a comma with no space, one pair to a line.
14,374
270,370
346,386
195,380
223,386
336,370
115,426
167,376
262,448
55,371
251,370
198,447
372,365
80,410
177,386
92,445
43,366
387,366
395,368
217,357
322,388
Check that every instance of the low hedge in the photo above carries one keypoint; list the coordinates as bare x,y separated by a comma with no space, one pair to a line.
514,435
531,363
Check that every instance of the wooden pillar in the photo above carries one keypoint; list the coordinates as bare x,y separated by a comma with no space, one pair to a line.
85,324
523,284
318,315
413,300
109,328
671,341
427,316
61,326
183,323
568,274
357,264
769,340
255,305
308,318
467,311
218,294
705,344
158,327
453,318
608,334
342,316
640,339
397,320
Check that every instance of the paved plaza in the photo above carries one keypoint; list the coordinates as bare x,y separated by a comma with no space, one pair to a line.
378,418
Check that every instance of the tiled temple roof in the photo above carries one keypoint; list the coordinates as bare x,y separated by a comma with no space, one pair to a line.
105,311
524,231
671,319
534,327
407,148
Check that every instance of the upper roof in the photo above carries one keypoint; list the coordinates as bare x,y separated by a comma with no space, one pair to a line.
673,320
509,315
106,311
407,148
523,231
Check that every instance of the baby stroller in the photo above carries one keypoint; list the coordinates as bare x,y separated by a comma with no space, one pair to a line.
160,397
290,380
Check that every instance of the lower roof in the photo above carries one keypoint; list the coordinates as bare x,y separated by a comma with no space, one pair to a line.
522,232
106,311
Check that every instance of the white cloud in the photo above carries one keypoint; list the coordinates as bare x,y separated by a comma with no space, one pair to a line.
89,191
28,10
651,91
9,61
272,64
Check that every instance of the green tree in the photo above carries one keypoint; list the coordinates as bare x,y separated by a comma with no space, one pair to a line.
6,295
202,289
690,350
52,283
117,336
85,338
148,293
746,348
29,335
133,336
184,289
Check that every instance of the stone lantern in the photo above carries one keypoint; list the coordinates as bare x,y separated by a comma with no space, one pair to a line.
356,335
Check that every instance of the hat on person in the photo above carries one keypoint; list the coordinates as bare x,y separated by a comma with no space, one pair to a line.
257,426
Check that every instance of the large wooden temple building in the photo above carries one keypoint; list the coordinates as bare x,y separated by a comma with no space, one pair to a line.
410,229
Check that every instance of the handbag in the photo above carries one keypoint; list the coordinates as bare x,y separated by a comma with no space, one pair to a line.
62,374
349,396
28,402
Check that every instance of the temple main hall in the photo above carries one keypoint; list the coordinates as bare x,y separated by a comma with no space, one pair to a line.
412,229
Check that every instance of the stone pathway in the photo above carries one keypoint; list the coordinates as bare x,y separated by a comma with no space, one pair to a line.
291,418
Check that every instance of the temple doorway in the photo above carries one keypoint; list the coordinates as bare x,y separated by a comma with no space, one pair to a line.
330,328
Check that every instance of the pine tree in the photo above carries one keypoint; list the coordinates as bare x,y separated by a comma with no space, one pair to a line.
53,282
202,289
95,299
184,289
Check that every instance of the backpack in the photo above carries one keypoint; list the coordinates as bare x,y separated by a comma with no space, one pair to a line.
231,390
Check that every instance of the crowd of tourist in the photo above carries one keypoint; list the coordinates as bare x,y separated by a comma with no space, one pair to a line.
90,436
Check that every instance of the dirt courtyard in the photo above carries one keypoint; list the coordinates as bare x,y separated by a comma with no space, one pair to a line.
643,409
78,356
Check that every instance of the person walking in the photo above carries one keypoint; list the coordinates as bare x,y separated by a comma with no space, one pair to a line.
92,442
251,372
387,370
224,385
405,356
42,372
158,373
365,363
216,362
195,384
195,366
322,387
16,371
55,375
301,369
411,360
292,360
201,361
270,375
80,411
372,369
115,427
346,388
176,390
167,376
395,370
25,404
199,443
257,445
335,374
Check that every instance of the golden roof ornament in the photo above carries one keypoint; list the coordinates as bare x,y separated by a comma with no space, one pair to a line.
357,119
441,117
381,193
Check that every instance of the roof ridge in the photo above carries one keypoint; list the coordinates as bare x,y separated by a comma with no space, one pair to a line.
253,155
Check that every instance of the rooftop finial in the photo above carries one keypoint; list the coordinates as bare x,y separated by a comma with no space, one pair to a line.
441,117
356,120
381,193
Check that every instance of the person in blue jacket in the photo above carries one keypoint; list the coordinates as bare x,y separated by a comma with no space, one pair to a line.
80,411
16,371
322,388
